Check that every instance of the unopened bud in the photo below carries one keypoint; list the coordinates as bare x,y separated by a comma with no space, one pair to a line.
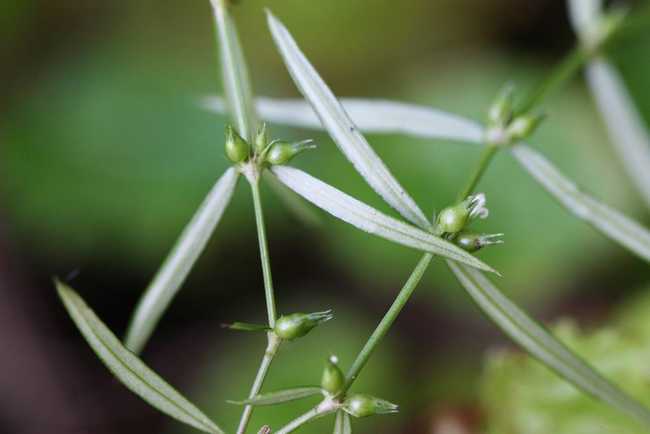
452,219
500,111
281,152
472,242
523,126
360,405
237,148
297,325
333,379
261,139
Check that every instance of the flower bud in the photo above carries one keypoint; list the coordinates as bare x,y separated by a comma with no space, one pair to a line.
333,379
281,152
297,325
237,148
523,126
452,219
360,405
500,112
261,139
472,242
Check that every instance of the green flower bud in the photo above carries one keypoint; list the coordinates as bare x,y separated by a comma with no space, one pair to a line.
360,405
523,126
500,111
261,139
472,242
452,219
333,378
281,152
299,324
237,148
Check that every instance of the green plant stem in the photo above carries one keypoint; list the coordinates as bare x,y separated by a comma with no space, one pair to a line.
264,250
320,410
387,321
484,161
269,354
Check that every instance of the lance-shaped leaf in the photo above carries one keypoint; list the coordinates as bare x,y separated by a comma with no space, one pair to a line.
368,219
626,128
342,423
280,397
625,125
128,368
234,72
342,130
373,116
179,262
535,339
606,220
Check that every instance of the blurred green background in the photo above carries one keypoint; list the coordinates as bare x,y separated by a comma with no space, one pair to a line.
105,153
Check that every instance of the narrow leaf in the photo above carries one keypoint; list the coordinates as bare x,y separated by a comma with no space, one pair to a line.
373,116
128,368
606,220
535,339
179,262
280,396
368,219
247,327
234,72
342,423
342,130
584,16
626,128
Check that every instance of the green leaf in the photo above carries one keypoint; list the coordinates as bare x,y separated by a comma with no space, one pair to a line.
379,116
236,82
342,130
373,116
179,262
280,397
608,221
247,327
368,219
342,423
535,339
625,125
128,368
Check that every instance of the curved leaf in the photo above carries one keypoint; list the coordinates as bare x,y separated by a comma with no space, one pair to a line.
179,262
368,219
369,115
280,396
342,130
234,72
584,16
606,220
128,368
535,339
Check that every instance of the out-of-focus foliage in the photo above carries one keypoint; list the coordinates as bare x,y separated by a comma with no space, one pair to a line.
521,396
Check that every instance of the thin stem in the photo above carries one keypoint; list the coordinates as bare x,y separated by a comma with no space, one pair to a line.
269,354
320,410
387,320
486,157
264,250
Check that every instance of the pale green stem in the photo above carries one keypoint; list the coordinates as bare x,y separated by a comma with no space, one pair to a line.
486,157
264,250
269,354
387,321
320,410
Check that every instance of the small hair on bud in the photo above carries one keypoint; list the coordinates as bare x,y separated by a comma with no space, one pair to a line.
473,242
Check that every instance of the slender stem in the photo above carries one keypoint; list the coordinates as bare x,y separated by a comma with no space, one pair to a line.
269,354
484,161
387,321
321,409
264,250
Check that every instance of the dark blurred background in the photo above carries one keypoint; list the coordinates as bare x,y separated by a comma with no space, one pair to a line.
105,154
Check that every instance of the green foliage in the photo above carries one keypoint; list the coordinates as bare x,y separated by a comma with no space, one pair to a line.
521,396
